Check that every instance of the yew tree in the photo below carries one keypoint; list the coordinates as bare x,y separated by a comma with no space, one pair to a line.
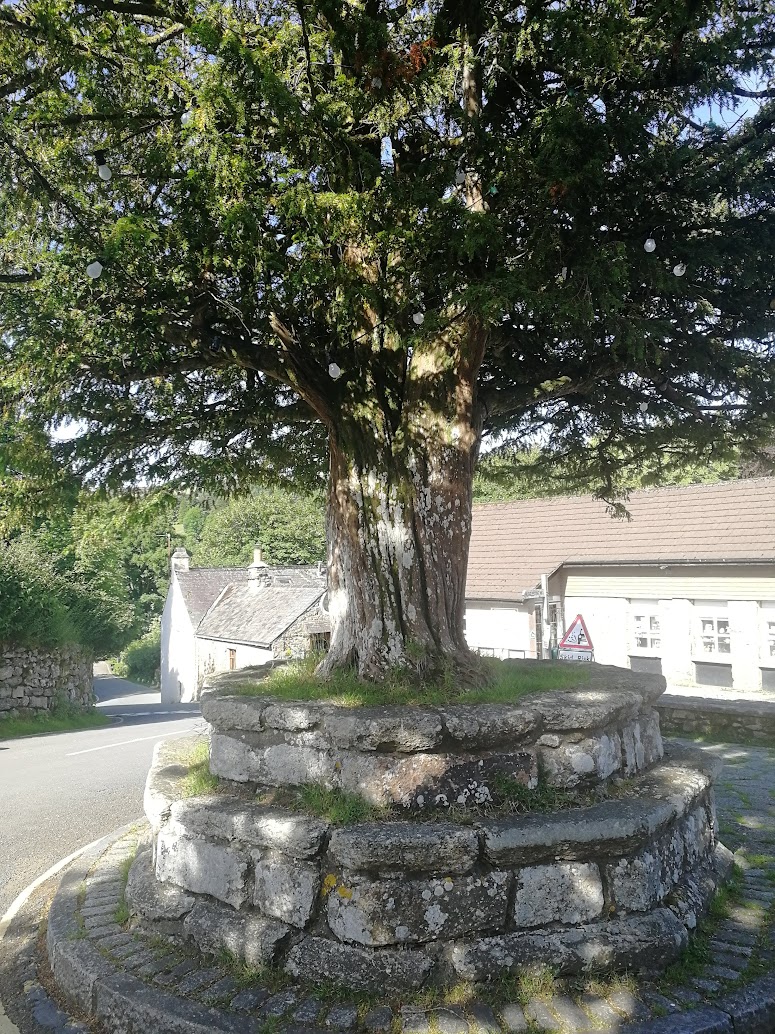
237,236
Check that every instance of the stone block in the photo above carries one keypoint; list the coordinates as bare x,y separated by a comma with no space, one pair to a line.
285,889
250,937
638,882
590,759
568,892
698,837
642,943
427,781
202,867
255,825
608,828
233,712
151,899
485,726
440,847
281,764
583,710
386,729
383,971
401,911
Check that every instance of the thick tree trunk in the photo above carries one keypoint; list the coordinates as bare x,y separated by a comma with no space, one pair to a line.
398,537
399,526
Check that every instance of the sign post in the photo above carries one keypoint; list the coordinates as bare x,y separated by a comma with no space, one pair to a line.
576,644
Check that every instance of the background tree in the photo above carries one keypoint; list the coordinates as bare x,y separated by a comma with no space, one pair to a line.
289,527
391,229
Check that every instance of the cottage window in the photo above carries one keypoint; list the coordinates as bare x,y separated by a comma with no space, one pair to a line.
232,660
771,638
714,635
647,636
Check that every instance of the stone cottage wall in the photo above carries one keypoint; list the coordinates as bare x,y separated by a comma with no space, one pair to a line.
32,679
295,641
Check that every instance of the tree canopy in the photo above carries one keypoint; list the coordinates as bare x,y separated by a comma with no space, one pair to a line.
230,231
293,182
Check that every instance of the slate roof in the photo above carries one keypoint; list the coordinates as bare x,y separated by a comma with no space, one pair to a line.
201,587
513,544
258,616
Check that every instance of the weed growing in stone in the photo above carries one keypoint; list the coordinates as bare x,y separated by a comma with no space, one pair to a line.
338,807
199,780
508,682
250,976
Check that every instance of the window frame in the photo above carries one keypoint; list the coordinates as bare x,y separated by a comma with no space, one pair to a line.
715,612
649,609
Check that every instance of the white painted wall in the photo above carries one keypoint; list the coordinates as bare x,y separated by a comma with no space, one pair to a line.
504,630
607,622
213,655
178,649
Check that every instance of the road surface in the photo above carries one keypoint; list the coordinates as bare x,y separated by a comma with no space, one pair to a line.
62,791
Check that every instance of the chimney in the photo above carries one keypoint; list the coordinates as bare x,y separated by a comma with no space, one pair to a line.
180,559
258,572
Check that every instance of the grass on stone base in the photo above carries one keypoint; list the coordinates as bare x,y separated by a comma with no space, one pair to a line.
507,797
508,682
40,725
199,780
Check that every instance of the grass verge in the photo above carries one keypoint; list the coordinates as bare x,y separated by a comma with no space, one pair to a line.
41,725
508,682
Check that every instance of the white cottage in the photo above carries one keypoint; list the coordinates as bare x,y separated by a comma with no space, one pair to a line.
685,588
219,619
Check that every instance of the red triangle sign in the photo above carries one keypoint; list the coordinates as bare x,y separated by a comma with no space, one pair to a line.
577,637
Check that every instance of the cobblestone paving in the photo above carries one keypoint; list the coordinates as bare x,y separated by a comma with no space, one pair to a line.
741,947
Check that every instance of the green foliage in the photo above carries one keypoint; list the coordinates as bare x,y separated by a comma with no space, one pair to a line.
507,682
307,206
289,527
44,607
339,807
140,661
507,474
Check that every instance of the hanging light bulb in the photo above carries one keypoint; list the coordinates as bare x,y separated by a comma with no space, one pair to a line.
103,171
418,319
94,269
679,269
650,245
334,371
643,407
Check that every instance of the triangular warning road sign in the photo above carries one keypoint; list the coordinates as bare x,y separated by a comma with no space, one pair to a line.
577,637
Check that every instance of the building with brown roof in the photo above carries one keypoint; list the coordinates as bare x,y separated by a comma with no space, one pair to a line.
222,618
686,586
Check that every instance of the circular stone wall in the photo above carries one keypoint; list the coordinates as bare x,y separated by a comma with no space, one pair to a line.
441,890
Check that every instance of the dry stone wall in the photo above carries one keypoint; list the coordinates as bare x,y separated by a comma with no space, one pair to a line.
33,679
438,895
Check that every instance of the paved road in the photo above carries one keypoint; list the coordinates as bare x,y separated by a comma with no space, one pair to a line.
62,791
